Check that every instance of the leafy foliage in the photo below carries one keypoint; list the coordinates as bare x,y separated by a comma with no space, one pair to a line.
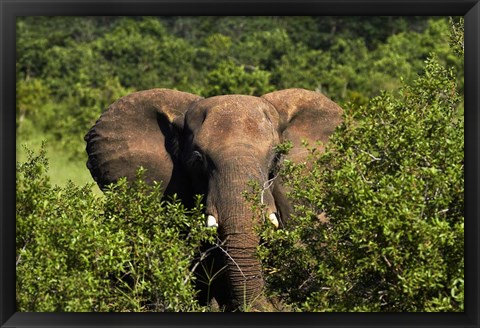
77,66
128,251
229,78
378,223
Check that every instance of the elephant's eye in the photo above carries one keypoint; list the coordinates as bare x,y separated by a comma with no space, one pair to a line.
196,155
196,159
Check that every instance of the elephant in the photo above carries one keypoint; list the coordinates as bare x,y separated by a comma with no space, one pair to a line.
214,146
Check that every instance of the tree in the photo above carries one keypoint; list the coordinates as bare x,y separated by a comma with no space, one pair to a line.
230,78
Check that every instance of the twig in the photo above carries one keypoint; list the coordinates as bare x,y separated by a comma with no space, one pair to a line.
266,185
203,256
20,255
364,179
386,260
442,211
226,253
371,156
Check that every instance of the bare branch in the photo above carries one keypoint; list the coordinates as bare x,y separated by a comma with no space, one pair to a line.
202,257
20,254
266,185
387,261
226,253
371,156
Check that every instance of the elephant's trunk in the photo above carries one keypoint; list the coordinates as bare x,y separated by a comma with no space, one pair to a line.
244,272
236,230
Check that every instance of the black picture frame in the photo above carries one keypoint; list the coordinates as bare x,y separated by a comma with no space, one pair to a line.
10,9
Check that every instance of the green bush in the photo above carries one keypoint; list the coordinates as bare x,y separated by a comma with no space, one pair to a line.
230,78
126,251
378,222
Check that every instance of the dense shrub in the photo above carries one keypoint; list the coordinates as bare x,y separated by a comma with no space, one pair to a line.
126,251
378,223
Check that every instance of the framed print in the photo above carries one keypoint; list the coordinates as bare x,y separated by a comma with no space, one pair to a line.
239,163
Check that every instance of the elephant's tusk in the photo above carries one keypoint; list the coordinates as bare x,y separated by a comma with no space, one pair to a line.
273,218
212,222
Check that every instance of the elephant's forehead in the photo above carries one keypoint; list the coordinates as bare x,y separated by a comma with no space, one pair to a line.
236,105
228,122
229,113
229,117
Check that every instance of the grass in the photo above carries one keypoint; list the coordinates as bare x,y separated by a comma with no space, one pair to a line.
62,167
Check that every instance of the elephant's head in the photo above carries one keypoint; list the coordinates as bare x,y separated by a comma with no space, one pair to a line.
214,147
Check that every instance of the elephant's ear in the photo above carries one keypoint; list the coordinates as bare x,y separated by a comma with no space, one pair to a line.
304,115
137,130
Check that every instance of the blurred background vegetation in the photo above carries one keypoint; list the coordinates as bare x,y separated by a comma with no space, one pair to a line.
69,69
378,220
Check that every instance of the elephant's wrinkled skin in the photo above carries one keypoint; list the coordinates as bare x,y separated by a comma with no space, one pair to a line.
213,146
